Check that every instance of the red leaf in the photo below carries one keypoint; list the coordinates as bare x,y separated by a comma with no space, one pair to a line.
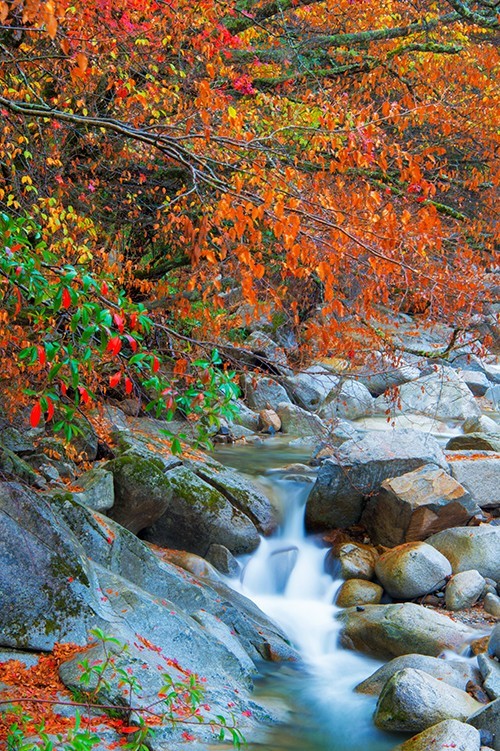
128,385
50,408
114,380
104,288
114,345
156,365
133,320
84,394
119,322
42,358
132,342
129,730
35,415
64,389
66,298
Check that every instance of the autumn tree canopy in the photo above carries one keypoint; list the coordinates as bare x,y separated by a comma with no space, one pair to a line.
331,160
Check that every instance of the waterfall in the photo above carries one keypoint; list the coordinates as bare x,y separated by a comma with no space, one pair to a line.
285,577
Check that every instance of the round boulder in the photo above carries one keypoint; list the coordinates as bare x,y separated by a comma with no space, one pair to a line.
358,592
412,570
470,548
464,589
447,734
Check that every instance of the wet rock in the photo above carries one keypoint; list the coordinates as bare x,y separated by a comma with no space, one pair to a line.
479,474
197,515
269,421
412,570
455,673
386,631
464,590
350,400
488,719
262,392
15,440
223,560
446,734
470,548
97,489
358,469
358,592
490,672
492,604
493,395
474,442
351,560
412,701
415,505
299,421
246,417
443,395
18,469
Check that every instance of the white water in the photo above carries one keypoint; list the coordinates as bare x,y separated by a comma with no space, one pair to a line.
286,579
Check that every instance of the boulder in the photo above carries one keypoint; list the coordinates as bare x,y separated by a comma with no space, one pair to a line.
455,673
447,734
141,489
350,400
481,424
264,347
478,473
475,442
488,719
443,395
197,516
241,492
494,642
358,592
415,505
412,701
386,631
299,421
493,395
471,548
381,373
477,382
269,421
412,570
223,560
246,417
490,673
492,604
262,392
310,388
97,489
351,560
464,590
358,469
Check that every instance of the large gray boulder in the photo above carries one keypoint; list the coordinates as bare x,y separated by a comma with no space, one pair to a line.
197,516
490,673
97,489
386,631
262,392
359,467
300,422
443,395
412,570
488,719
243,494
448,734
310,388
412,701
464,590
415,505
350,400
471,548
455,673
381,373
478,474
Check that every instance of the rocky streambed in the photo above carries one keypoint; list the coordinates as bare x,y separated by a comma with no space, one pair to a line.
205,571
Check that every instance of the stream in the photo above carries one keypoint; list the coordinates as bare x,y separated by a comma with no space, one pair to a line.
285,578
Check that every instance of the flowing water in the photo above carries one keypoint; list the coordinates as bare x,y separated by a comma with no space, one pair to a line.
285,578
